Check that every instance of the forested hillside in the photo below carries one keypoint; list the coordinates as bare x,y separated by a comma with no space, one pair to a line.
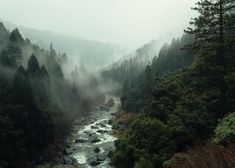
182,96
131,66
38,103
68,102
94,54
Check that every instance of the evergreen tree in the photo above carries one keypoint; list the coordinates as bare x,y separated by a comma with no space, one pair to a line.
214,41
22,88
33,66
39,79
14,48
4,59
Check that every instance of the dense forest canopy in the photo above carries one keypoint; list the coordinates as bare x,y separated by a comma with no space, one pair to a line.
176,106
181,96
38,102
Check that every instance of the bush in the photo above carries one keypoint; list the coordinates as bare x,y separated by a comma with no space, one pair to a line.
225,131
143,163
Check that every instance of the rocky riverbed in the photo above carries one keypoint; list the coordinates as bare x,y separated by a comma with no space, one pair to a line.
93,138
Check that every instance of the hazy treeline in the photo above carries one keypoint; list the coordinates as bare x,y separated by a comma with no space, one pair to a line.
38,102
181,97
128,68
94,54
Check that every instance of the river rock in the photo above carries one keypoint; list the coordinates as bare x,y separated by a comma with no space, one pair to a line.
86,132
81,140
110,121
97,150
94,127
102,131
102,125
68,151
104,108
69,160
83,136
101,158
113,114
94,163
95,140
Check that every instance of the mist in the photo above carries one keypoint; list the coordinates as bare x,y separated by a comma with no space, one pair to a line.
129,23
117,83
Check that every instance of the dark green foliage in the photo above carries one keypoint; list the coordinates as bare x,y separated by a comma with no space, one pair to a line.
148,138
127,70
181,108
224,132
4,59
33,66
4,36
142,163
137,91
16,37
173,56
40,81
26,128
37,105
14,49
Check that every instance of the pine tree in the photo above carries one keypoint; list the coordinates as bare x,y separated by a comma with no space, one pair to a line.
4,59
45,86
214,41
14,50
22,88
214,26
33,66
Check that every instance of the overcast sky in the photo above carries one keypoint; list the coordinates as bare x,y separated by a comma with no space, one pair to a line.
129,23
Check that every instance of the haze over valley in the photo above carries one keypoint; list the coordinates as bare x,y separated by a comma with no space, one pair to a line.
117,84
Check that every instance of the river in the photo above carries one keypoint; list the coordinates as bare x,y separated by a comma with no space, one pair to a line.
93,138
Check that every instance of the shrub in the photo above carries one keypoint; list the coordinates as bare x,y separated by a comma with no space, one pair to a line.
225,131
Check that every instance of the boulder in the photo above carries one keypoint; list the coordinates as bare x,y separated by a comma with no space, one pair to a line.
102,131
101,158
94,163
68,151
110,122
97,150
68,160
104,108
94,127
81,140
95,140
102,125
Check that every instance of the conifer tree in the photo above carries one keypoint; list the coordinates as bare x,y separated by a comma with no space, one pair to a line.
14,50
33,66
214,35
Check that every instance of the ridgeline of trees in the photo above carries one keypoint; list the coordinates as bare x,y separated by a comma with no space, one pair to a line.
130,68
38,105
181,97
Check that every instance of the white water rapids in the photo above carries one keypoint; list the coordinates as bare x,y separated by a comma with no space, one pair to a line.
91,134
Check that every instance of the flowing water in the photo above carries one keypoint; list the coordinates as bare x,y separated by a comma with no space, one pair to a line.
93,138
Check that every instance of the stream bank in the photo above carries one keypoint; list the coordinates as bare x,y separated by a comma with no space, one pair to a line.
93,139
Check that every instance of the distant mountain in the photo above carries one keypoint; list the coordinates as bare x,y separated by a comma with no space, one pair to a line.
93,54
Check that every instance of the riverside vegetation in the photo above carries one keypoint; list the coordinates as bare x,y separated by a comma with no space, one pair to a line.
179,107
38,105
184,99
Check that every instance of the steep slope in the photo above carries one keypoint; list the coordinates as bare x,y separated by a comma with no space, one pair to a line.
93,53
